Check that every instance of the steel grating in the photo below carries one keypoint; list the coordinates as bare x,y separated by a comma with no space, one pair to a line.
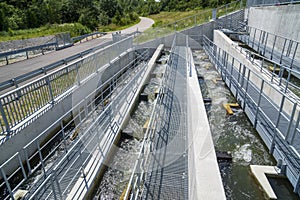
167,175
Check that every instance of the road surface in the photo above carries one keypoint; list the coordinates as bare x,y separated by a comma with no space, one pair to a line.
13,70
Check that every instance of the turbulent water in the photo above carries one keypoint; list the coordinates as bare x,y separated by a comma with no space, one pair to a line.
119,169
233,134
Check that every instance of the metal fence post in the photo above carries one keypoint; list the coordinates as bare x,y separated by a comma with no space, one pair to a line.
258,103
291,121
7,184
50,89
276,126
7,127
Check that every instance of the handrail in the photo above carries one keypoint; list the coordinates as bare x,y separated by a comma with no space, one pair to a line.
22,102
43,70
88,104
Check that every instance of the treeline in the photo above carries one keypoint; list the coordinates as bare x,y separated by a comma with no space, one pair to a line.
25,14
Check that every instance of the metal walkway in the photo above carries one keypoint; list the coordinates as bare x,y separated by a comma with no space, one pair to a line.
167,176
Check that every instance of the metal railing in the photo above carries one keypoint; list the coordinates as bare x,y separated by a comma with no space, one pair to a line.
134,186
17,81
275,72
51,46
41,94
277,48
43,160
272,112
253,3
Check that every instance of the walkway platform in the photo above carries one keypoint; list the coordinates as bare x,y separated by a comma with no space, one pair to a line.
183,163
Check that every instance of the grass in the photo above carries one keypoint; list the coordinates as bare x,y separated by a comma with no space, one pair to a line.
114,27
169,22
75,29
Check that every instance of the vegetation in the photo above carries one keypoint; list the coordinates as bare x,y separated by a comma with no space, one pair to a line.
40,17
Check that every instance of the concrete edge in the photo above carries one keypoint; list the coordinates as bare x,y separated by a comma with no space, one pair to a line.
260,172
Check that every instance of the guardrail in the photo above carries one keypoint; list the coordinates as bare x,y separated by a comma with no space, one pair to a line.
45,47
273,113
275,47
41,94
255,3
43,161
7,55
88,148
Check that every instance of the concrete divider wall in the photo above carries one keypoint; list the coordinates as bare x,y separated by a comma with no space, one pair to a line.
282,20
204,176
17,142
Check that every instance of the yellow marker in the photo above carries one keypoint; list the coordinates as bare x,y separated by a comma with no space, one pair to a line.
74,135
146,125
271,68
122,197
228,106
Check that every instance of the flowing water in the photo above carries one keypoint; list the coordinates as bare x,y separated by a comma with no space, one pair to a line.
119,168
233,134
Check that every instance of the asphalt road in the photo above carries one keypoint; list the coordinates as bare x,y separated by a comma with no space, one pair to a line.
13,70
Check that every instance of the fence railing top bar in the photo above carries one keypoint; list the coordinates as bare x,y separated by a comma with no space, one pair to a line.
274,34
60,69
292,99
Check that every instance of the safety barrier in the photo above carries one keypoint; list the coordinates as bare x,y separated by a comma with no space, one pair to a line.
278,48
275,71
272,112
32,99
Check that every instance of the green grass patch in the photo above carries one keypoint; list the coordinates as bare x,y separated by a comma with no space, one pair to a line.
75,29
114,27
168,22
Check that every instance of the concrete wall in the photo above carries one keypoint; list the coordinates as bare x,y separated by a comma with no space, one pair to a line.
282,20
17,142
